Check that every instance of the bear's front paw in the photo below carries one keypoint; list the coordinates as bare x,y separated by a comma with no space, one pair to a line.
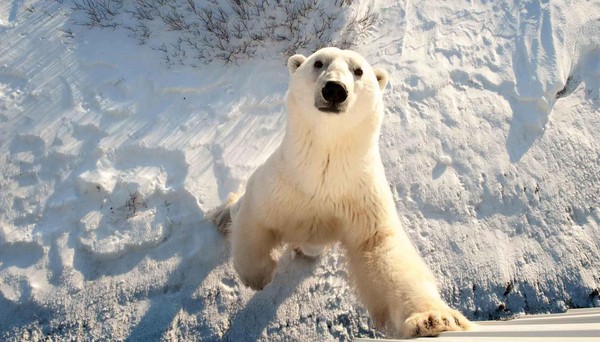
258,276
432,323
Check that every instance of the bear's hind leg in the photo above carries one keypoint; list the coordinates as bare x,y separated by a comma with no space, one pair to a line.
306,250
252,244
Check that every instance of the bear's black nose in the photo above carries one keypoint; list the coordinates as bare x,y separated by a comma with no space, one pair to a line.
334,92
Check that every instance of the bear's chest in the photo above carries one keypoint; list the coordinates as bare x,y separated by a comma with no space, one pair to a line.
319,211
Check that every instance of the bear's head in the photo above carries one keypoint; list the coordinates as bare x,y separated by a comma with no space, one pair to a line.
335,85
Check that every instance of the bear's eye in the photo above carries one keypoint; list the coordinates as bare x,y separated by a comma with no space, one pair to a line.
318,64
358,72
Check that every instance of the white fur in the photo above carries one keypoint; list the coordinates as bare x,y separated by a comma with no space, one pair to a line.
325,184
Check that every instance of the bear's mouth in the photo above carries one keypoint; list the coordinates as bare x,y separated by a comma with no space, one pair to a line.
331,109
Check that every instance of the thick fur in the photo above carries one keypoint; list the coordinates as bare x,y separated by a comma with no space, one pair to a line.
326,183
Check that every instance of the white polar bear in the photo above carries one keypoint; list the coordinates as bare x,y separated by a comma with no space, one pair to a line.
325,183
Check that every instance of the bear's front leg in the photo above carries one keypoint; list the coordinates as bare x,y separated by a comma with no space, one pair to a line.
252,244
397,287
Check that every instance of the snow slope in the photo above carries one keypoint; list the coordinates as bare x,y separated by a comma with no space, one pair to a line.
109,160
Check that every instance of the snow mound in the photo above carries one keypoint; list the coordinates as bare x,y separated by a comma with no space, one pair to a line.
110,159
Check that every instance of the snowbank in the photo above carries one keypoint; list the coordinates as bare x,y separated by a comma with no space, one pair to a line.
110,159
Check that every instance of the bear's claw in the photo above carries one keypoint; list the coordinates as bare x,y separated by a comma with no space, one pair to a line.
432,323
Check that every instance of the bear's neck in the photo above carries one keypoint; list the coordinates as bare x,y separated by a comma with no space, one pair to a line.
357,142
321,156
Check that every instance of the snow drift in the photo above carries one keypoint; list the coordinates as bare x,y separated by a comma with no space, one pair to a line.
110,159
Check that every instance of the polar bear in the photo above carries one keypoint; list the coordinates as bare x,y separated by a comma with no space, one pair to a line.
325,183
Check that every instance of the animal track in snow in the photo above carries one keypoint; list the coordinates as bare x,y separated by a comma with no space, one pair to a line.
132,206
12,92
12,81
20,254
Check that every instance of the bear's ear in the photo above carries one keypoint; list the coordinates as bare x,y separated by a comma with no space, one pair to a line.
294,63
382,77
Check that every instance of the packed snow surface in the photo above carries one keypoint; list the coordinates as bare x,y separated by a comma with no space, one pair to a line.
110,159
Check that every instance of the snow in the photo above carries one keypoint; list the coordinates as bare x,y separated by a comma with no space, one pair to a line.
110,159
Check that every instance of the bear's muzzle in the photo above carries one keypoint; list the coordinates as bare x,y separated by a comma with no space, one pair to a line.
334,94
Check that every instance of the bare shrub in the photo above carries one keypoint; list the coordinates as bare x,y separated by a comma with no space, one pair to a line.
99,13
193,31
